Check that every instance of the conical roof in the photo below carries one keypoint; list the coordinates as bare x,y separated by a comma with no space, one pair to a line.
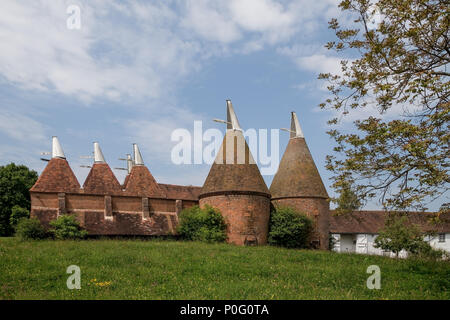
101,180
297,175
57,175
140,181
234,169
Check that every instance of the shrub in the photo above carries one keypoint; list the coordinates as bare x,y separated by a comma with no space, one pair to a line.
17,213
30,229
67,227
202,224
289,228
398,234
425,251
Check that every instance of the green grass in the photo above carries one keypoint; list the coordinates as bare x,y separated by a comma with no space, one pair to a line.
160,269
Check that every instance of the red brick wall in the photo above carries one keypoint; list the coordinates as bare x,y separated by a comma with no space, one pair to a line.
127,224
84,201
126,204
47,200
44,215
316,208
127,213
247,216
187,204
161,205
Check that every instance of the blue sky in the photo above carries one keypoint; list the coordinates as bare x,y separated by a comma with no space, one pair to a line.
137,70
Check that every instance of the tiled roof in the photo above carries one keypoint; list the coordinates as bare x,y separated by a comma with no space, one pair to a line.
101,180
125,182
232,176
297,175
181,192
373,221
57,177
141,183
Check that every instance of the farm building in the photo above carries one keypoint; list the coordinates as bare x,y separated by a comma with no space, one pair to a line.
142,206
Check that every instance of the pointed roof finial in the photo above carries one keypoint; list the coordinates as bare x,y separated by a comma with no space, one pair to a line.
233,123
57,151
98,154
137,156
129,163
296,130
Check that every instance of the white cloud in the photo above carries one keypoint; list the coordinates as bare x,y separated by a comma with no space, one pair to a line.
269,18
319,63
154,135
260,15
21,127
210,21
140,58
137,50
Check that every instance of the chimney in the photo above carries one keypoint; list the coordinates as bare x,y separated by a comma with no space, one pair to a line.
232,121
98,154
296,130
137,156
57,151
129,163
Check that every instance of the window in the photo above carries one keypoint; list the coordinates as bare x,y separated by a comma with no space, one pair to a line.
441,237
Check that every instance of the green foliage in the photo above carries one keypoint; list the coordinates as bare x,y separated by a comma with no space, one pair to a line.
17,213
289,228
398,234
30,229
67,227
15,183
348,201
426,252
399,69
202,224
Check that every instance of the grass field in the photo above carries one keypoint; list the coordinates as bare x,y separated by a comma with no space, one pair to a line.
158,269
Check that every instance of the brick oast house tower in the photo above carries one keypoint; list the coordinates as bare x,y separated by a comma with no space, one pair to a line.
48,193
235,186
297,184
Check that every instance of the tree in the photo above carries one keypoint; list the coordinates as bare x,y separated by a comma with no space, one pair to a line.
17,213
401,155
348,201
398,235
15,183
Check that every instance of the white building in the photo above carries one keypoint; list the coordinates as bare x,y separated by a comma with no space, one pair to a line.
356,232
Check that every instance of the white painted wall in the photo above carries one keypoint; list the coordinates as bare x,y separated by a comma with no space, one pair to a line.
363,243
434,242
